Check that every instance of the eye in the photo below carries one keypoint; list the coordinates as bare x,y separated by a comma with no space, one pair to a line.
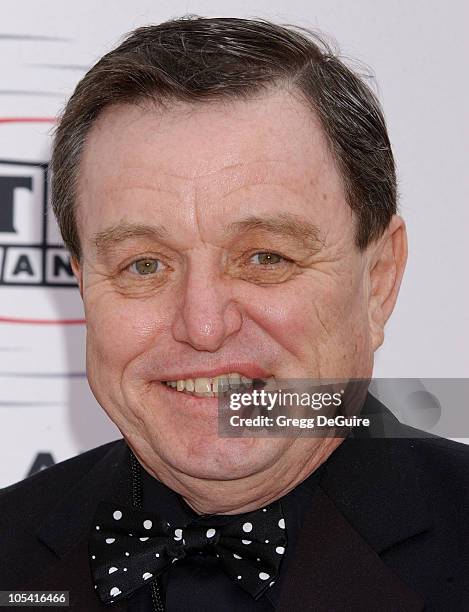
145,266
266,258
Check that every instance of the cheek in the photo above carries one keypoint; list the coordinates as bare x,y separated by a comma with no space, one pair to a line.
290,314
324,312
120,329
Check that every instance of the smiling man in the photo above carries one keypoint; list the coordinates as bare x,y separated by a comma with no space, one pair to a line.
227,192
215,240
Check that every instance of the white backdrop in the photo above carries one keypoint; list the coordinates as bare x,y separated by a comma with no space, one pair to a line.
418,51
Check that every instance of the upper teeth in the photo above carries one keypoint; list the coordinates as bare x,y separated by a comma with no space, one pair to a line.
210,385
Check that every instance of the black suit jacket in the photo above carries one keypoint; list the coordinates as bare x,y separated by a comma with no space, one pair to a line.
387,530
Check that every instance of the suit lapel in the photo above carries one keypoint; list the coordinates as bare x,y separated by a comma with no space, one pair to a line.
66,529
368,500
333,568
72,573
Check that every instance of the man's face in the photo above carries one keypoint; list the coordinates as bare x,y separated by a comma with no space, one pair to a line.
215,238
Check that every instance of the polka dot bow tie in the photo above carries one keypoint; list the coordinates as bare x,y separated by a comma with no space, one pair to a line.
128,547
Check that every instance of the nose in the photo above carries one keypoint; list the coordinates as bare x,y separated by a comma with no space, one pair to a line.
206,314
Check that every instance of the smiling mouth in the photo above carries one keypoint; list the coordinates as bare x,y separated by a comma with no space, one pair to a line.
216,386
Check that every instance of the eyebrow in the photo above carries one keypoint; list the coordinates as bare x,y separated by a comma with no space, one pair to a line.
111,236
283,224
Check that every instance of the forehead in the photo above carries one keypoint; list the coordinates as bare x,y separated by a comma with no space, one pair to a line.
264,151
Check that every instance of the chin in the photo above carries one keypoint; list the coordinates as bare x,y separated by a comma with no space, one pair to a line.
227,459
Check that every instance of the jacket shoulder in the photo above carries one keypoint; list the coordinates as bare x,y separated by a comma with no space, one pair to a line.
27,500
443,459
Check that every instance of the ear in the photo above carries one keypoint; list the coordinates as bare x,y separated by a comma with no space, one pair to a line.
387,264
78,273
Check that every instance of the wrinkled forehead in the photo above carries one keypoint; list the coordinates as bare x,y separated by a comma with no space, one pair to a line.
253,155
267,137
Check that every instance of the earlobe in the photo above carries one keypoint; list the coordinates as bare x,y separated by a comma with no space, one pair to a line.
386,271
78,273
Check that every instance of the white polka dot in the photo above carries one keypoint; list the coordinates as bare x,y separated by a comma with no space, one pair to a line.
266,541
177,534
97,527
280,550
157,554
143,539
246,541
247,527
124,569
257,559
239,577
114,592
93,556
131,535
264,509
281,523
147,524
127,554
112,569
95,586
236,556
264,576
147,575
117,515
210,533
110,540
